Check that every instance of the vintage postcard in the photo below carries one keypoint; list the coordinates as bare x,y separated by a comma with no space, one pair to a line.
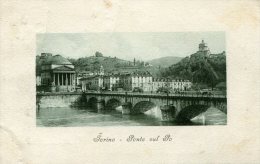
125,81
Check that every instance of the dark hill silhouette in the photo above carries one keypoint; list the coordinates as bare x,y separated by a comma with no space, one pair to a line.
199,67
165,61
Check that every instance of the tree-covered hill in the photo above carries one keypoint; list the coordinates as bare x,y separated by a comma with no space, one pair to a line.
199,68
110,64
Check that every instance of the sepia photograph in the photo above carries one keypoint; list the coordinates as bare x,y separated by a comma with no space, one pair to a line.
131,79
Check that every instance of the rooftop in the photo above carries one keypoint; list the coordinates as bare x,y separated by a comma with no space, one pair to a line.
56,60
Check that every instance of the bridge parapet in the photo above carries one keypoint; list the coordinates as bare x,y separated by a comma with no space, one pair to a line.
180,102
153,95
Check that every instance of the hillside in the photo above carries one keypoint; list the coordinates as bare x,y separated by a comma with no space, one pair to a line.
110,64
199,68
165,61
113,64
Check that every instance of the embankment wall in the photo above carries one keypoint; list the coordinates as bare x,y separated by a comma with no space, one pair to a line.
59,100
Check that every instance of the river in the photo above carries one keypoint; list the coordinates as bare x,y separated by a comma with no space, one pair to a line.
75,117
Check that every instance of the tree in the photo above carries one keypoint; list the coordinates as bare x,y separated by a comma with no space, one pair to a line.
98,54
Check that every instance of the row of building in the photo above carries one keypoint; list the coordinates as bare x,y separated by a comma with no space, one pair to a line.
57,74
143,81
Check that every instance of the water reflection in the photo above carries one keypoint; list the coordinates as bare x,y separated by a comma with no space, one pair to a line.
70,117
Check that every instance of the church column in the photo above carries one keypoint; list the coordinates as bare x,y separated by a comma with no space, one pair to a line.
65,76
68,77
58,79
66,80
54,78
72,79
61,78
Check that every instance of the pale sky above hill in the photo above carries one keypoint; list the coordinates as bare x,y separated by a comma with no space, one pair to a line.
142,46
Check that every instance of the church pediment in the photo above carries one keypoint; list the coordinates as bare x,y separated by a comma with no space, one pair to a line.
63,68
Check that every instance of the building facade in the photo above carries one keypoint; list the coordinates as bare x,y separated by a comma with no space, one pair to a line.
174,85
111,82
142,80
93,82
83,74
57,74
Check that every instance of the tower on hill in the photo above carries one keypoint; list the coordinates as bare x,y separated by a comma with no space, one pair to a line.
204,48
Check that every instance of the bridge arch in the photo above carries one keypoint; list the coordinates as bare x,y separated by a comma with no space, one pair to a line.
142,107
95,102
113,103
92,101
191,111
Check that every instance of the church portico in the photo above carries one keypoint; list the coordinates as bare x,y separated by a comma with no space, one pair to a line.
63,81
58,74
63,78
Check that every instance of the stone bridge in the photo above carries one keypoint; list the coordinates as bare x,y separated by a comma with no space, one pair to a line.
181,107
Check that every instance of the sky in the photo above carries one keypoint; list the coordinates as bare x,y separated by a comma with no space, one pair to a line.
142,46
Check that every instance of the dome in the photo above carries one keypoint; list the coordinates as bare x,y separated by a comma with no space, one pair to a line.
57,60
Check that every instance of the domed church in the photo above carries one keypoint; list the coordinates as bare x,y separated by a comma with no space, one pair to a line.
57,74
